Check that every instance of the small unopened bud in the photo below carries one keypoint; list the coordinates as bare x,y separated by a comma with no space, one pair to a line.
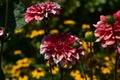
89,36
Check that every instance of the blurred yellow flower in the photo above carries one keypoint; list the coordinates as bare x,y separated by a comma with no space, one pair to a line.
118,70
15,73
113,60
69,22
10,79
85,26
18,31
54,31
25,77
105,70
55,70
87,45
77,75
65,66
17,52
35,33
47,64
37,73
106,58
25,62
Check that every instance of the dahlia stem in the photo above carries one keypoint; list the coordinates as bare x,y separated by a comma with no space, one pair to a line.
116,58
6,16
91,62
52,78
1,54
84,71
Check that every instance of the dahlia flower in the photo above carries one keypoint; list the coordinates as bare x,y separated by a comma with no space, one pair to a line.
1,32
60,49
41,11
108,29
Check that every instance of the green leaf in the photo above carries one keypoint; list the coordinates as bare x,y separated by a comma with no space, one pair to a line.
19,15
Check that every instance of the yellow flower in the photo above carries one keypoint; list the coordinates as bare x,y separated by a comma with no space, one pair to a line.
41,32
54,31
86,46
118,70
17,52
73,73
77,75
47,64
37,73
16,73
35,33
55,70
25,77
85,26
69,22
113,60
10,79
18,31
106,58
105,70
25,62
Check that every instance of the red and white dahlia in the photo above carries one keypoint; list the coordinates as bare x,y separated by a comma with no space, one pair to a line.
108,29
60,49
40,11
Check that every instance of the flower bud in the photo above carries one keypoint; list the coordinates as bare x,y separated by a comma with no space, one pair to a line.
89,36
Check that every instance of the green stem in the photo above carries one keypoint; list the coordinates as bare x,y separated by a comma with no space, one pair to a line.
84,70
6,16
116,58
52,78
61,73
91,62
1,54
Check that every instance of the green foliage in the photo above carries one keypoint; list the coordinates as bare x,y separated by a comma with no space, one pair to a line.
19,11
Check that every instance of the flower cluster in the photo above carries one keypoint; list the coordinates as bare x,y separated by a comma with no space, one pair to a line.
60,49
108,29
41,11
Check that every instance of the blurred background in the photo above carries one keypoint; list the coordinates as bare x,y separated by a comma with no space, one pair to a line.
21,58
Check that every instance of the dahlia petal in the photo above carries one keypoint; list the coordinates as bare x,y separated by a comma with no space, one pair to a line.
28,18
107,37
46,15
53,12
109,42
82,53
58,59
39,17
97,34
69,59
96,25
99,39
47,56
69,54
117,37
77,56
104,45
